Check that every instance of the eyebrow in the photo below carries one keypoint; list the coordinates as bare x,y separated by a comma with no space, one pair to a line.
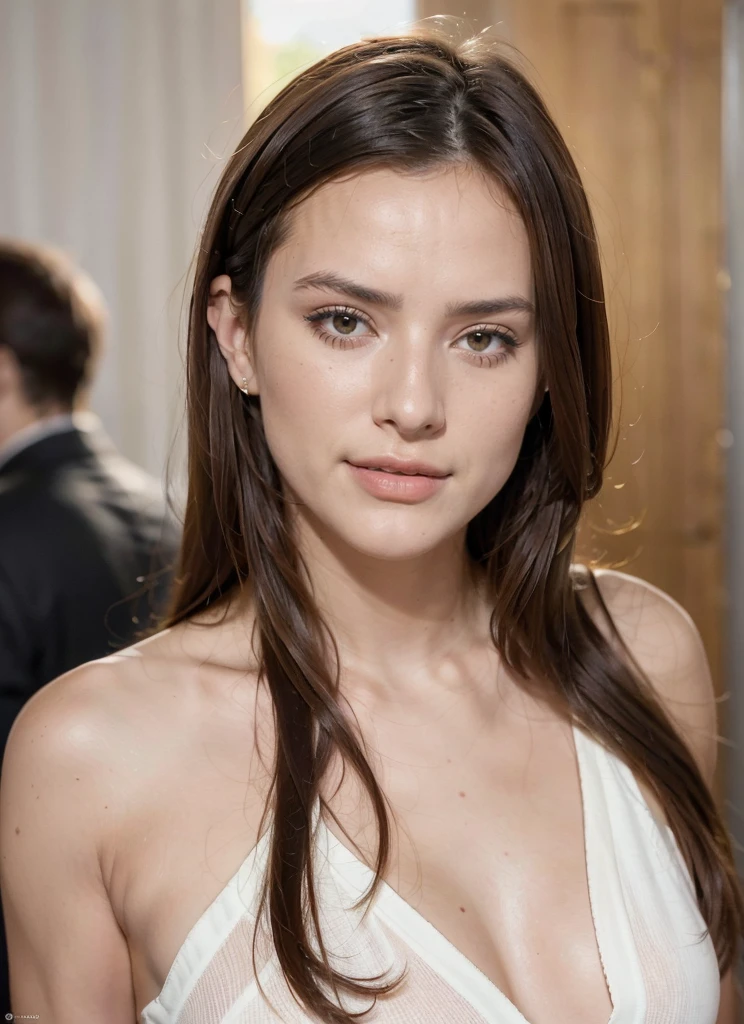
330,281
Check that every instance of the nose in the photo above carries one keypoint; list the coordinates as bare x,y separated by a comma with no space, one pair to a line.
408,389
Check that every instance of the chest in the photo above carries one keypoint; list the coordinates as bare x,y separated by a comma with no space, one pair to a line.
487,849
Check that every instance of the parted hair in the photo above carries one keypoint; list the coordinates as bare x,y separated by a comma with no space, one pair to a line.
414,103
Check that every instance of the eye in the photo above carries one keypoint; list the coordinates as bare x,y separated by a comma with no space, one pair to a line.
343,324
488,345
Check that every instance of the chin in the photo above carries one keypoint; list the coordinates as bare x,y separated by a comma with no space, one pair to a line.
393,541
391,532
400,552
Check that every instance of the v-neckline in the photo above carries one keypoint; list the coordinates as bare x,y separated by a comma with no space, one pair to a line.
612,929
612,933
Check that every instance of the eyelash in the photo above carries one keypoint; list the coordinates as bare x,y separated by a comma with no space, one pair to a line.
480,359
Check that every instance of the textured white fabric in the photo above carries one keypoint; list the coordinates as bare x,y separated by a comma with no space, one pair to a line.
648,926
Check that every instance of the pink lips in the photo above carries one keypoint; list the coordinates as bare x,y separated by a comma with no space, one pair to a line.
396,480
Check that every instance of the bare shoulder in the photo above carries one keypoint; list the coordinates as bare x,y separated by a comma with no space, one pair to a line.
71,746
92,760
117,720
84,754
68,724
666,644
61,794
83,711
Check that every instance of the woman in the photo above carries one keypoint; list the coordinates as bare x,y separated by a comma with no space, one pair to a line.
392,753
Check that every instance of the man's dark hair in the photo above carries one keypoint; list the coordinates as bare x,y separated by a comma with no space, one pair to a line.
51,319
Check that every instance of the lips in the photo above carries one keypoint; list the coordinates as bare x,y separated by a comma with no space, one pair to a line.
400,467
398,481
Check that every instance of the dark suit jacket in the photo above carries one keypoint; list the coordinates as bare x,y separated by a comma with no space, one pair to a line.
79,527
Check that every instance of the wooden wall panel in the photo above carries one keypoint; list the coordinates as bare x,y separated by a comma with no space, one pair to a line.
635,86
601,46
636,89
694,283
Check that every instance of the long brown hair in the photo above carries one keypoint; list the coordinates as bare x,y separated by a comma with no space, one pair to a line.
414,103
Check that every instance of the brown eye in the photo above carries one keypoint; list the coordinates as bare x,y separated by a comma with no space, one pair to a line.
479,340
344,323
338,326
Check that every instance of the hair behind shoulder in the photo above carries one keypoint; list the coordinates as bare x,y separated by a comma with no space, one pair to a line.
415,103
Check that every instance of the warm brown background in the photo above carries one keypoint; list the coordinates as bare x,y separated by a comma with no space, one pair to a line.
635,88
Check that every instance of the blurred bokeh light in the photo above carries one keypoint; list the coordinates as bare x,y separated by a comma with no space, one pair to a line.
280,37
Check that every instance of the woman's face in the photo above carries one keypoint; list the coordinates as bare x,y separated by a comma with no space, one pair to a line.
396,323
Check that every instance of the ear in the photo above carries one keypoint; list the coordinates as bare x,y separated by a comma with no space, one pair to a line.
231,334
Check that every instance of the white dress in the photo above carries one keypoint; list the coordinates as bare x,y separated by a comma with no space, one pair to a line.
646,918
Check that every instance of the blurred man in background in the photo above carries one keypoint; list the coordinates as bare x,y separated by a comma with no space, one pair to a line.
81,528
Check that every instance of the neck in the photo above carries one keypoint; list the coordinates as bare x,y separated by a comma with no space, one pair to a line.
399,624
17,417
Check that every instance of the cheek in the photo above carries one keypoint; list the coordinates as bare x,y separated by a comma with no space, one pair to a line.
305,386
493,432
303,409
501,436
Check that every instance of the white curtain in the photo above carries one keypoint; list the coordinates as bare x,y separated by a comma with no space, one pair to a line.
115,119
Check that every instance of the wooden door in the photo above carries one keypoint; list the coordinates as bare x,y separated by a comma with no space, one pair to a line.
635,87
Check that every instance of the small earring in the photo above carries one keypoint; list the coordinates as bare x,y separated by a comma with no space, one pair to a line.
244,386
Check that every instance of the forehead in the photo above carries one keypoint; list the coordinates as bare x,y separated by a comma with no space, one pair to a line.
451,228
